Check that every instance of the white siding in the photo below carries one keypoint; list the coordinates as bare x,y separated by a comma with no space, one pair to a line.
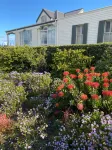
92,18
43,14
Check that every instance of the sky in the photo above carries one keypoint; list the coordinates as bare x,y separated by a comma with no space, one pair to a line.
18,13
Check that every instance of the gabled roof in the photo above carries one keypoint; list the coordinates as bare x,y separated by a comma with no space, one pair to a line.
49,13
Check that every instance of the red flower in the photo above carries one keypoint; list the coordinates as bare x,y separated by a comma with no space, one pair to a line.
105,74
97,74
57,104
86,70
106,85
89,83
84,97
54,95
5,123
80,76
110,80
65,80
80,106
73,76
105,80
70,86
88,76
95,96
107,93
95,84
60,87
77,70
60,94
65,73
92,68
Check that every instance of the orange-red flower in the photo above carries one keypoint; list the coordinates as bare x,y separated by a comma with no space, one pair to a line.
65,73
70,86
95,97
5,123
105,80
54,95
92,68
77,70
89,83
86,70
60,87
84,97
80,106
65,80
107,93
106,85
73,76
97,74
110,80
80,76
57,104
60,94
105,74
95,84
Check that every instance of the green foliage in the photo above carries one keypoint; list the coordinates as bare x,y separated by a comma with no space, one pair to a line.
22,59
40,58
69,60
105,63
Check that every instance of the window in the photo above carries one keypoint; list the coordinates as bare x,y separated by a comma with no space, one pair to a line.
79,34
108,31
26,37
43,19
48,35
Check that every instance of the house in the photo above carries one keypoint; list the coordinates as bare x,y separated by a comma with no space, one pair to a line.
74,27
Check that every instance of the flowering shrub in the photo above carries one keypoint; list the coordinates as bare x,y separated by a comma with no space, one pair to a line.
83,91
88,131
11,97
5,123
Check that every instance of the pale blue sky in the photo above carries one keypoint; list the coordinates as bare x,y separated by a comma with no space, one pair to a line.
18,13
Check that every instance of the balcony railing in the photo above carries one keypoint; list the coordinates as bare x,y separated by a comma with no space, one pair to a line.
107,37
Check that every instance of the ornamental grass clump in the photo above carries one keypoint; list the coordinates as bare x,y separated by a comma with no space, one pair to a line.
83,91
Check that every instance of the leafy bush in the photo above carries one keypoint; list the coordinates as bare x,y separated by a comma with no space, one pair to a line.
105,63
22,59
69,60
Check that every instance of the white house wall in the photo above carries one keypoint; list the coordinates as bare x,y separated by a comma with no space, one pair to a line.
92,18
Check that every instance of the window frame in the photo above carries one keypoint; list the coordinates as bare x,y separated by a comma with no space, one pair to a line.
47,31
43,19
81,34
110,30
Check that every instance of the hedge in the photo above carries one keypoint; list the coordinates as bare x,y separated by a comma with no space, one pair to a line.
47,53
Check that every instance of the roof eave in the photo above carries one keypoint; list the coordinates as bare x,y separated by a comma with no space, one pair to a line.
11,31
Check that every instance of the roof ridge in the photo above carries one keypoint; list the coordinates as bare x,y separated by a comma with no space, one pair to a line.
73,10
48,10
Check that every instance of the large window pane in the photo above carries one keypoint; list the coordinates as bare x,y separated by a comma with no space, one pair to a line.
26,37
48,35
44,37
51,37
79,34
